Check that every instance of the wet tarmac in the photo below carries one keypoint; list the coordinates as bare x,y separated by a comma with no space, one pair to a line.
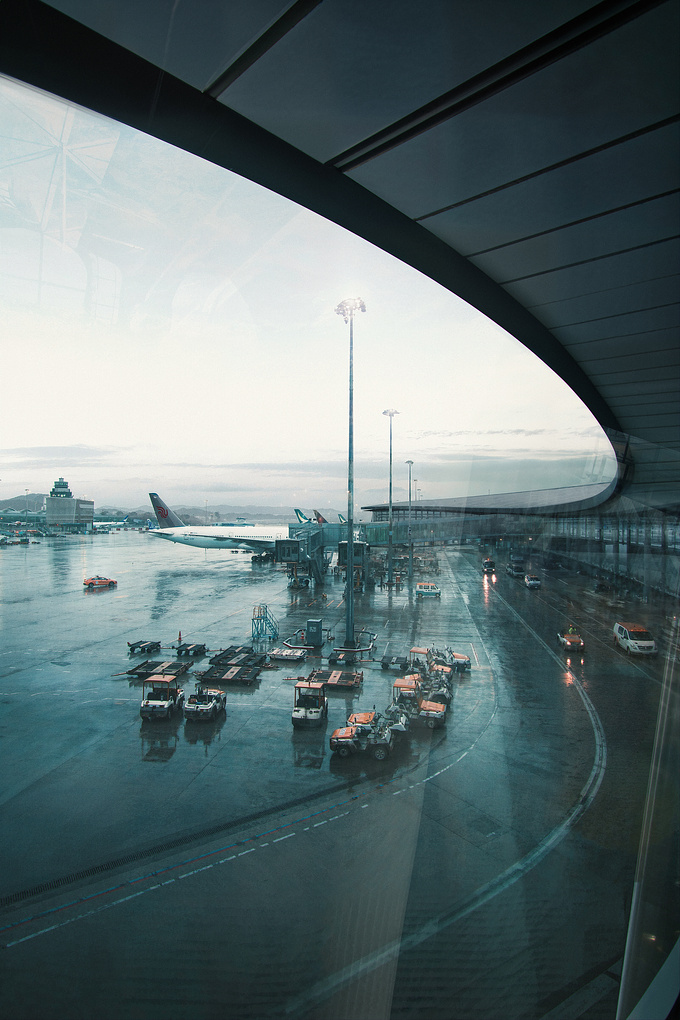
236,868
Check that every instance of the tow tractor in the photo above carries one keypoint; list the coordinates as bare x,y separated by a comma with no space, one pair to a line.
408,699
205,704
310,705
366,733
161,695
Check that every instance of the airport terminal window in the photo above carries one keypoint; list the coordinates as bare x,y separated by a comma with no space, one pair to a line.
515,827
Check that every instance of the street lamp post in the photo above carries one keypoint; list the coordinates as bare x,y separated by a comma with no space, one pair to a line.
347,309
410,536
390,413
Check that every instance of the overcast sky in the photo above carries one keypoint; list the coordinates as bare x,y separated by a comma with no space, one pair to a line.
170,326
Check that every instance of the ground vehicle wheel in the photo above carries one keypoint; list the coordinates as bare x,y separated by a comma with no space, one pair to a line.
380,752
344,752
90,585
110,584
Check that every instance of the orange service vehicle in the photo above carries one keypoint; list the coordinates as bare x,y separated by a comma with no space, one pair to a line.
99,582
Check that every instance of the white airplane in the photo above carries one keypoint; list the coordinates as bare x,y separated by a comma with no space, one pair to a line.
258,537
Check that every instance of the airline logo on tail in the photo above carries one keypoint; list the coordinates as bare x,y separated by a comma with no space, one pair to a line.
302,519
319,518
343,520
164,515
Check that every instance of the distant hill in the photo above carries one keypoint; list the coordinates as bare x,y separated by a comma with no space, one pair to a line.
36,501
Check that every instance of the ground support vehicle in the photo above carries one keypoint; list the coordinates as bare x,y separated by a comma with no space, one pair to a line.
488,566
310,704
570,640
425,589
186,648
335,678
154,667
408,699
206,704
457,661
145,647
99,582
635,639
399,662
244,675
532,581
288,654
366,733
161,695
238,655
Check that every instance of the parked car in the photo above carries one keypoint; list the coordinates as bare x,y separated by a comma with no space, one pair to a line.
531,581
635,638
427,588
99,582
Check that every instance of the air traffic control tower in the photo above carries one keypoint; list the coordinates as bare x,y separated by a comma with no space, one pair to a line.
63,513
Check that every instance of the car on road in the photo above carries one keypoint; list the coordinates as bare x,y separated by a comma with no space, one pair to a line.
205,705
514,569
635,639
427,588
570,640
99,582
531,581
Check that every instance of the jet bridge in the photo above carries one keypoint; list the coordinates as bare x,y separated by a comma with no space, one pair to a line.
304,548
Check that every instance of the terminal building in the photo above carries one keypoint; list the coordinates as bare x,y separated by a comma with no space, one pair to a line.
65,514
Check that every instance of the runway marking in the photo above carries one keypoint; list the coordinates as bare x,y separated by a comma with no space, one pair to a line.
289,836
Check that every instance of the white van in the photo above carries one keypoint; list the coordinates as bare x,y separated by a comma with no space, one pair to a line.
634,638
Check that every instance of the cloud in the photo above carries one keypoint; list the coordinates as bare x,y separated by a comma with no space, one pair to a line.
56,456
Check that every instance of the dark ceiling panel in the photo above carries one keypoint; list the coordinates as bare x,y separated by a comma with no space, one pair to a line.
353,67
195,42
609,232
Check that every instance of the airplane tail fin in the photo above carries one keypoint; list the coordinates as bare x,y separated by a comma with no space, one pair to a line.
164,515
343,520
302,519
319,518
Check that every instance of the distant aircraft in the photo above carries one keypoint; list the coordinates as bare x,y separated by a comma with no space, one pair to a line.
112,524
302,518
258,537
319,518
343,520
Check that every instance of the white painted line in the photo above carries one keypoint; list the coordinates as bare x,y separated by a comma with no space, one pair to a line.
195,872
244,852
284,837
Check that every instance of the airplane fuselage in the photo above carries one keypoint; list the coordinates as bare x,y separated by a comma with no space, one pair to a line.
257,537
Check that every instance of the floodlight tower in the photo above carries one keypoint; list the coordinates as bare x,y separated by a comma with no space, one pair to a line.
410,535
347,309
390,413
